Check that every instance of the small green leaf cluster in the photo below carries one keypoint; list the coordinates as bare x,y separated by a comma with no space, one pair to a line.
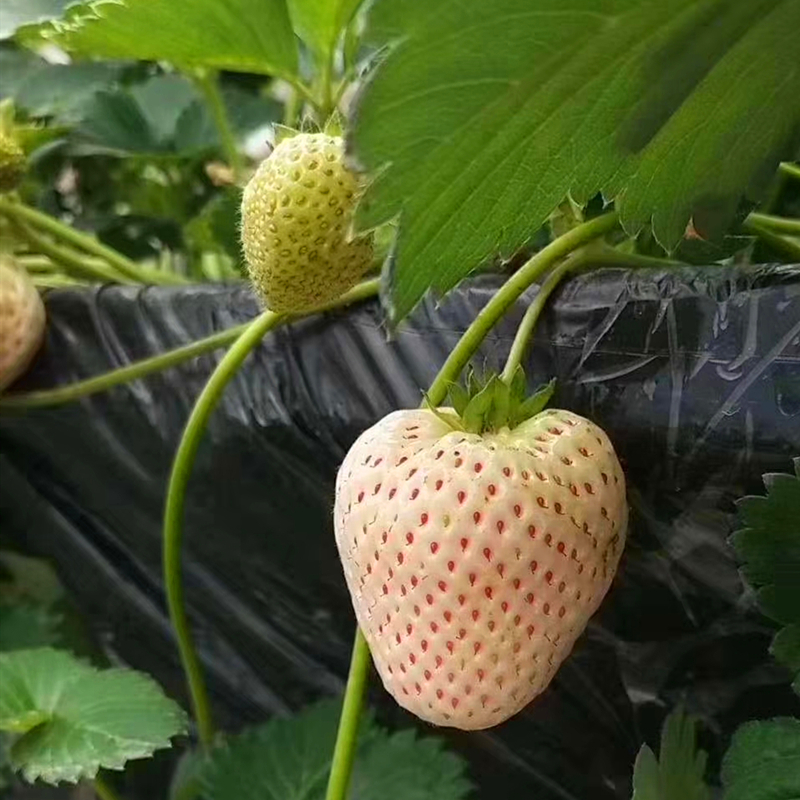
489,403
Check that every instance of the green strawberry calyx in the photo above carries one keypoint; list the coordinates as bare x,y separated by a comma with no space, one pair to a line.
489,404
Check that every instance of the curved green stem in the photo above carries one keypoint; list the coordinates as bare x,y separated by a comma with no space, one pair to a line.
780,243
346,738
792,170
776,224
590,256
508,294
78,263
130,269
605,256
138,369
176,493
523,336
173,514
104,790
208,83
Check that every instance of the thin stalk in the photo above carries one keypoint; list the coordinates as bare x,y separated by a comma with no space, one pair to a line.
605,256
325,103
590,256
355,692
792,170
115,377
86,267
291,108
176,493
44,280
533,269
776,224
103,790
523,336
783,245
37,263
208,83
173,515
130,269
346,738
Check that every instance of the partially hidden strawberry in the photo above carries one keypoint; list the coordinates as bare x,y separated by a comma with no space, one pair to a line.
475,560
297,213
22,321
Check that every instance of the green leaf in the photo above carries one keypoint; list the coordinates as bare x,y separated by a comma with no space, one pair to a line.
769,547
115,121
480,403
483,117
75,719
237,35
60,91
534,404
459,398
786,649
320,23
19,13
162,99
290,758
402,766
763,761
24,625
678,772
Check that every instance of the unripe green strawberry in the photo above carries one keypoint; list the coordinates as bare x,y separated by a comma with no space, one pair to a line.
475,561
12,163
22,321
296,216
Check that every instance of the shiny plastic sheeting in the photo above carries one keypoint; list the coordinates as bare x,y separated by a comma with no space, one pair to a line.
695,374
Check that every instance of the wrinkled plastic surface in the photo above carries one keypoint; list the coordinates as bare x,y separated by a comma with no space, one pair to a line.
695,374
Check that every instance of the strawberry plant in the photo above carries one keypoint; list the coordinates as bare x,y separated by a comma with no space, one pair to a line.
533,137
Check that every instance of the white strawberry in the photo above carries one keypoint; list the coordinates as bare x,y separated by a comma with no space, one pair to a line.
475,561
296,216
22,321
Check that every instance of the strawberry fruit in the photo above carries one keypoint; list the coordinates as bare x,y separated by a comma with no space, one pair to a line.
22,321
297,212
475,560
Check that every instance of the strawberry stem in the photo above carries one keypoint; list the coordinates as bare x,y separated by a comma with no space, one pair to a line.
505,297
595,255
176,494
776,224
523,337
792,170
344,752
173,515
788,247
76,263
208,83
130,372
20,213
